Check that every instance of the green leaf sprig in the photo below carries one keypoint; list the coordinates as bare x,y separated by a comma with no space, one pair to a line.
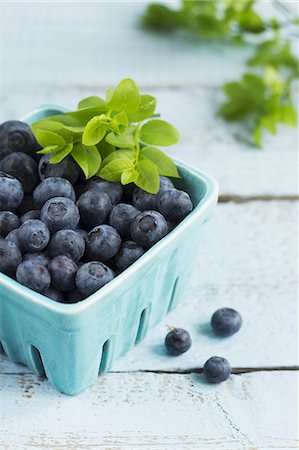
114,139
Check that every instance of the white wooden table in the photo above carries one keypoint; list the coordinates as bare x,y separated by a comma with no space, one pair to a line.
61,52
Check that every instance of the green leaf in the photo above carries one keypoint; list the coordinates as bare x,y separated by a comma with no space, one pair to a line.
94,131
163,163
148,177
82,116
146,108
159,132
125,97
113,170
88,158
121,118
109,93
128,154
61,154
92,102
46,138
125,139
105,149
49,149
129,176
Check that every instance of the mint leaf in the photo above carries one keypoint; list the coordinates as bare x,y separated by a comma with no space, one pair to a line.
114,169
146,108
159,132
94,131
88,158
109,93
49,149
163,163
121,118
105,149
92,102
46,138
128,154
129,176
125,97
125,139
61,154
148,177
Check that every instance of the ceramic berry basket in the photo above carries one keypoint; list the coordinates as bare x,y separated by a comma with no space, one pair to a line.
72,343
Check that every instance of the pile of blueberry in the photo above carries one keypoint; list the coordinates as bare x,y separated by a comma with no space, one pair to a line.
66,237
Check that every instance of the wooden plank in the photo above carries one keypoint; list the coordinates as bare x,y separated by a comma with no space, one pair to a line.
248,261
152,412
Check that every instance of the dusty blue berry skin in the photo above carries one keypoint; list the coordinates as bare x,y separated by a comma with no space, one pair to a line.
10,257
178,341
121,217
216,369
92,276
59,213
148,228
67,168
128,253
102,243
26,205
13,237
54,294
94,207
33,275
32,214
40,258
22,167
114,190
175,205
8,221
34,235
226,321
73,296
52,187
63,271
11,192
16,136
67,242
144,201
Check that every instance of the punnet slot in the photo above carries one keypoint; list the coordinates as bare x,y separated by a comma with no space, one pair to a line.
143,324
37,361
105,356
173,296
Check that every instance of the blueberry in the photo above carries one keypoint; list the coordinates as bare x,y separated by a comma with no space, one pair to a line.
83,233
13,236
171,226
54,294
8,221
165,184
148,228
11,192
175,205
121,217
145,201
67,168
10,257
40,258
52,187
16,136
94,207
102,243
79,188
177,341
128,253
63,271
226,321
92,276
33,275
67,242
59,213
34,235
114,190
22,167
73,296
216,369
32,214
26,205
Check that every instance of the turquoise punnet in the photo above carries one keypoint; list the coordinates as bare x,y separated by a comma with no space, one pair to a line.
72,343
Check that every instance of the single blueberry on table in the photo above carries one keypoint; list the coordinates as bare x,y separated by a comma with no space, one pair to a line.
54,294
11,192
216,369
59,213
26,205
121,217
175,205
177,341
114,190
34,235
67,168
128,253
10,257
8,221
39,257
94,207
52,187
63,271
33,275
144,201
226,321
92,276
13,236
32,214
16,136
102,243
22,167
67,242
148,228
